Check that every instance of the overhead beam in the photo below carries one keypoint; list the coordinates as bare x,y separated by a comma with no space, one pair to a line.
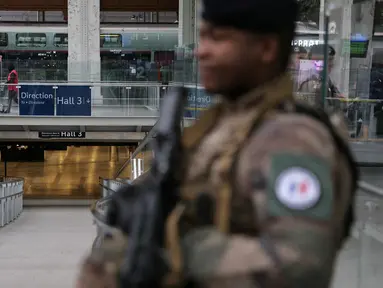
90,136
76,121
106,5
33,5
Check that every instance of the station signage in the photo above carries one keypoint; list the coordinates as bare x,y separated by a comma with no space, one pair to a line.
62,135
306,42
197,102
73,101
36,100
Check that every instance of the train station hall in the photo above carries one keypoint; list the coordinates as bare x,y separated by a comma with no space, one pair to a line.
84,84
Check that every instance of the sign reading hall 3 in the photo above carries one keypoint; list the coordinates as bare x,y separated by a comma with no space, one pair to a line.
74,101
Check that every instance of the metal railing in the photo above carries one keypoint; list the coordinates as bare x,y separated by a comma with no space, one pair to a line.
11,200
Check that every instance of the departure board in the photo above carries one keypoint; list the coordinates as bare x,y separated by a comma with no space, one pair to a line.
358,49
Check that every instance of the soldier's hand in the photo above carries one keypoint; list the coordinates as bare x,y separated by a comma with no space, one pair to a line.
97,274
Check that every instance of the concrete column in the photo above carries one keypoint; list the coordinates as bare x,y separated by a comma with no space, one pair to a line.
84,62
360,68
340,29
186,22
186,71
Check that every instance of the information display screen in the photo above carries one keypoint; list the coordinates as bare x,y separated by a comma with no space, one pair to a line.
358,49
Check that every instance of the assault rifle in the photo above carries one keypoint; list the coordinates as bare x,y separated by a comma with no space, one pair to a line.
141,209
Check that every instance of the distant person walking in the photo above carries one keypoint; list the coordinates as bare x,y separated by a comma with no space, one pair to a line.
13,91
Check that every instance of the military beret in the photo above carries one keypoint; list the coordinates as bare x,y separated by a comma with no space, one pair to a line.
260,16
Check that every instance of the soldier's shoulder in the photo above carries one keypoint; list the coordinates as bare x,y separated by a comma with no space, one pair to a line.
296,123
294,132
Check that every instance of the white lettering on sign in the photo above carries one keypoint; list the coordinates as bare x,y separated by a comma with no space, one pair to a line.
71,134
26,95
306,43
72,101
199,99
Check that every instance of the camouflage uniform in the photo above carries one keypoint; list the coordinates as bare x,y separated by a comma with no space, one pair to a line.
236,224
264,239
266,194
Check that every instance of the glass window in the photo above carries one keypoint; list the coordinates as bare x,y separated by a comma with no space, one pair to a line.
60,40
3,39
31,40
110,41
378,19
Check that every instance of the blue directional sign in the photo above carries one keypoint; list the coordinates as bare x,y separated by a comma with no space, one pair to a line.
37,100
198,101
74,101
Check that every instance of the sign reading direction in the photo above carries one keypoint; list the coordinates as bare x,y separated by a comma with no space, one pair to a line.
37,100
61,134
74,101
197,102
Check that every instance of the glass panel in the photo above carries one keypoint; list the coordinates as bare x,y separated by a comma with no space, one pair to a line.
138,17
31,40
3,39
18,16
84,99
60,40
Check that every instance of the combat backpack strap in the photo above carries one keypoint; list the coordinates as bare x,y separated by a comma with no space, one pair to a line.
193,135
342,147
272,98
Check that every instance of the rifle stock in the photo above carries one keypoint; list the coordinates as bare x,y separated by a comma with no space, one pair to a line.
145,264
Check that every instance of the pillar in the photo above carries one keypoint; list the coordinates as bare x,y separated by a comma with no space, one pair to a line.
187,23
187,41
84,62
362,21
340,24
360,68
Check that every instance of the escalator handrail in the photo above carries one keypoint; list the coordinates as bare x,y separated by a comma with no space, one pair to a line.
372,190
140,147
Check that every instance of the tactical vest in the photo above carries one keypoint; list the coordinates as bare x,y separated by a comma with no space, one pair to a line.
194,200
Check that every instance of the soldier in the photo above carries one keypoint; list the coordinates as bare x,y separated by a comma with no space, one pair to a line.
267,184
312,86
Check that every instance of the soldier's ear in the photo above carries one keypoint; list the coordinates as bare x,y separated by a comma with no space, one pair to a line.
269,49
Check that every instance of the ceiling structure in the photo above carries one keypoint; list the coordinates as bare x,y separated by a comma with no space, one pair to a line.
106,5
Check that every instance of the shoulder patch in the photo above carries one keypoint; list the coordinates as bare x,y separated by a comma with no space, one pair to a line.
300,185
298,188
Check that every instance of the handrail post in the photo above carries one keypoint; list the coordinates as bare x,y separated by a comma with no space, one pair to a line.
11,200
2,205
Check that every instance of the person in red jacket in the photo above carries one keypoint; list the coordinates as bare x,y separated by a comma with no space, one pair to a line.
13,91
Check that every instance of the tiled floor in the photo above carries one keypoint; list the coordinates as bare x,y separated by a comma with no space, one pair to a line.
43,248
